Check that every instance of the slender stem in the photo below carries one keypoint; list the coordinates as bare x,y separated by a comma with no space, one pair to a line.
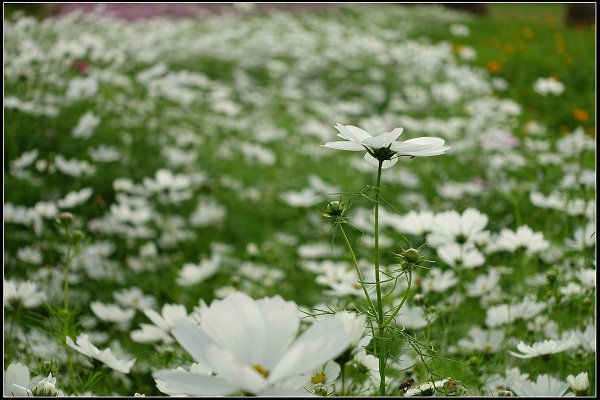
406,294
67,268
361,280
343,373
380,324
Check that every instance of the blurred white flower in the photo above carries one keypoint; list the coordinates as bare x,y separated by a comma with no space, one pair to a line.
426,389
81,88
17,381
543,348
24,293
452,227
460,30
191,274
85,347
483,284
74,199
163,323
252,346
548,86
523,237
86,125
489,341
508,313
112,313
461,256
545,385
135,298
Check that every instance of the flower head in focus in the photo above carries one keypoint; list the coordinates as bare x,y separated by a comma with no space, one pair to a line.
384,148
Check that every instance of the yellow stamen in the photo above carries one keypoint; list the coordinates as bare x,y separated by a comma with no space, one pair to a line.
356,285
317,378
261,370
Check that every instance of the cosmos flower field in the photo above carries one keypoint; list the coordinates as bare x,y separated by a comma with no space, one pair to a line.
175,225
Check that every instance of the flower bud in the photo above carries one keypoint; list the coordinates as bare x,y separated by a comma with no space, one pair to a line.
65,217
335,209
419,299
45,388
411,255
579,383
552,276
321,391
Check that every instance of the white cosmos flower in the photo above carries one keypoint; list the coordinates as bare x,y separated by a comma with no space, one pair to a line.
26,293
483,284
543,348
355,325
486,341
367,364
163,323
508,313
426,389
73,199
452,227
252,346
85,347
415,223
324,376
523,237
384,146
461,256
545,385
112,313
16,381
192,274
546,86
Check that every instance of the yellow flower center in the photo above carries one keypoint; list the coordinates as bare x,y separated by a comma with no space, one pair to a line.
317,378
356,285
488,348
261,370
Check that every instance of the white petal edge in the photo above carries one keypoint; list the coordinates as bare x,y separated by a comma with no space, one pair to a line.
344,145
194,384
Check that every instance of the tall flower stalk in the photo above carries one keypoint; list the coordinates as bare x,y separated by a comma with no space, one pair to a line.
383,151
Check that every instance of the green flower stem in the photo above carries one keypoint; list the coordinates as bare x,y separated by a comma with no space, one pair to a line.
406,294
361,280
67,268
381,326
343,374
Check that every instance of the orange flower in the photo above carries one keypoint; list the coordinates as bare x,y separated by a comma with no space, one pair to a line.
528,33
580,115
494,67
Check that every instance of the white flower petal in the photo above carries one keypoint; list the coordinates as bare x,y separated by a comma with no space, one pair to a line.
383,140
344,145
285,392
193,384
229,368
236,324
193,339
352,133
282,320
324,340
